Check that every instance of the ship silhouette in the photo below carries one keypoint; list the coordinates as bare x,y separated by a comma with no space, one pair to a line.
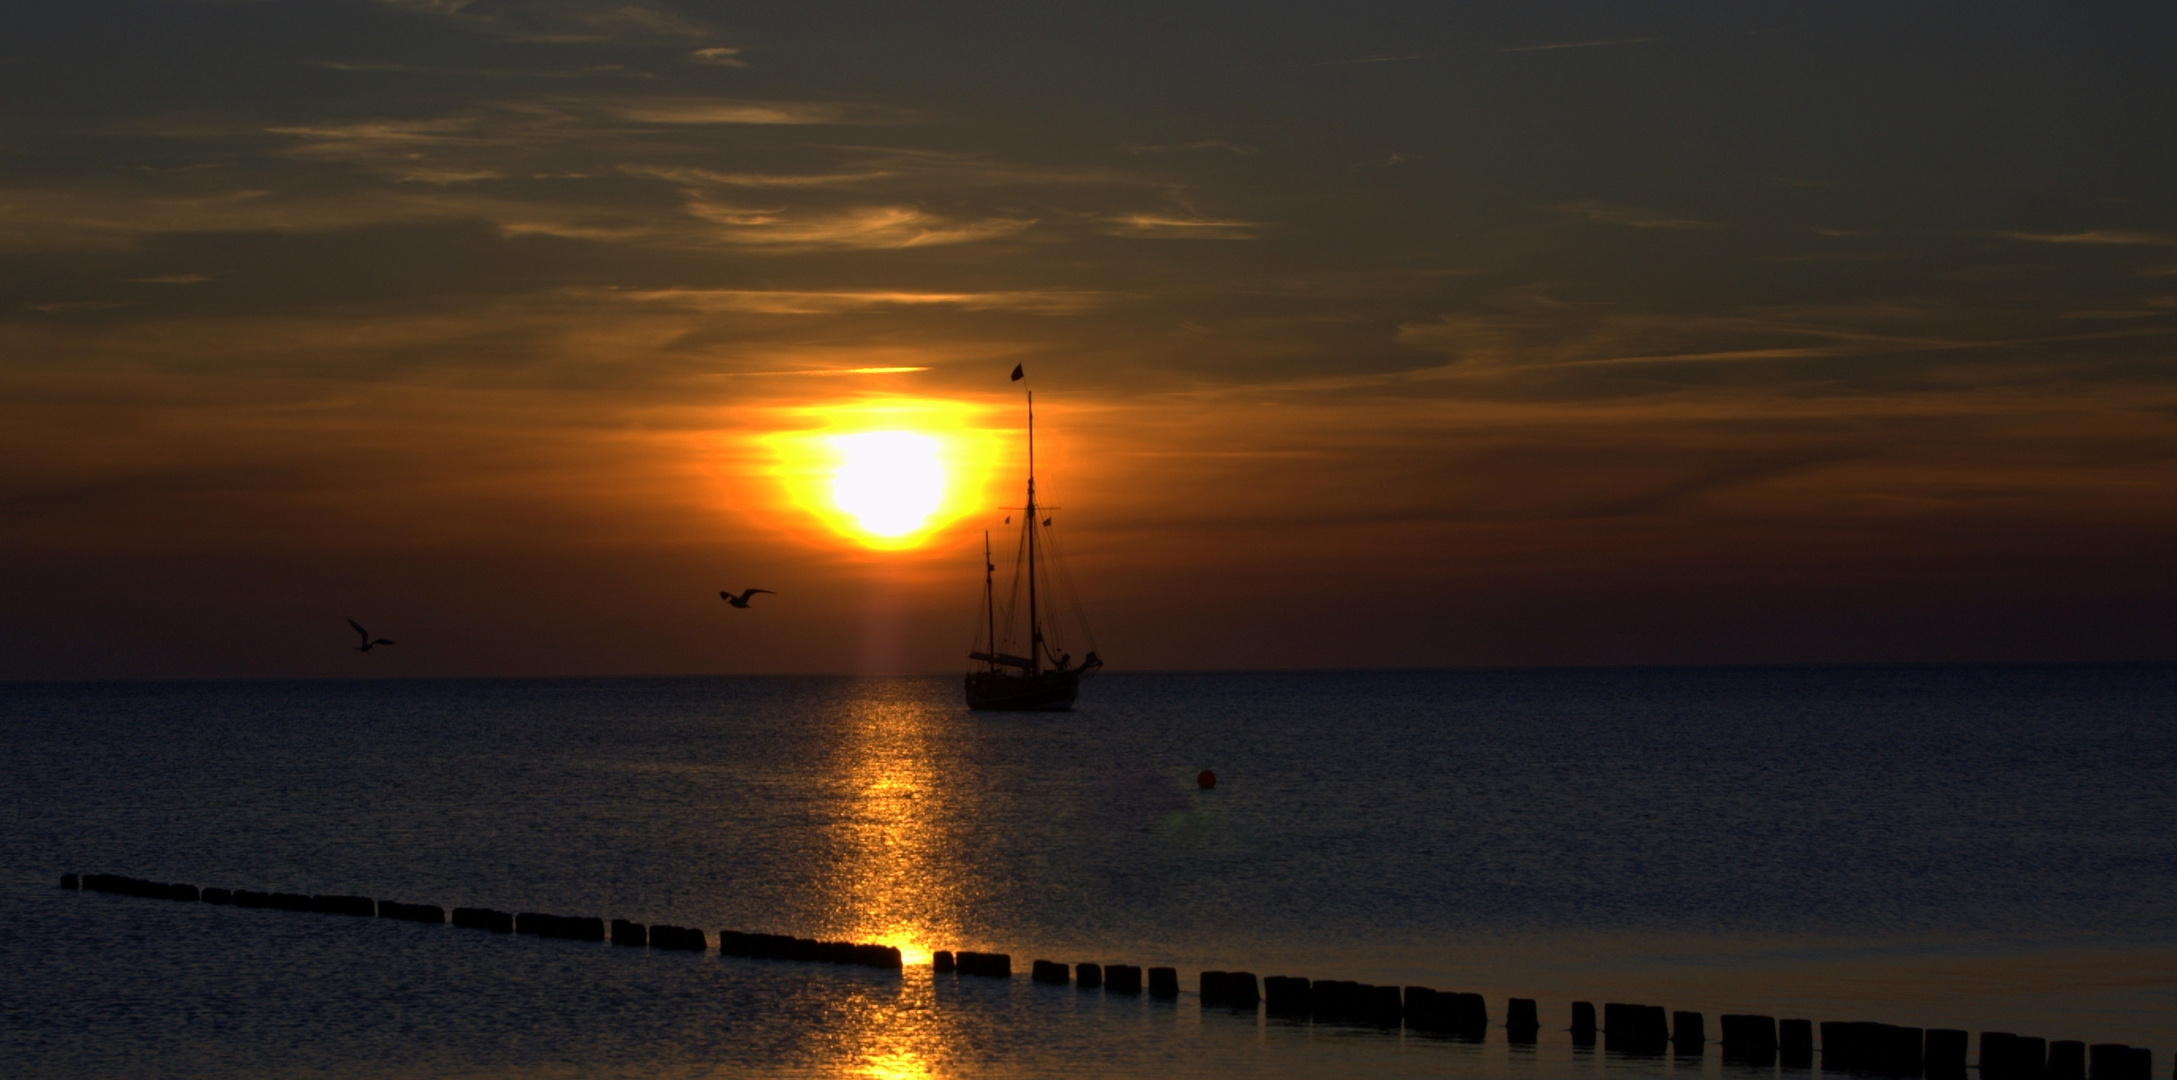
1035,672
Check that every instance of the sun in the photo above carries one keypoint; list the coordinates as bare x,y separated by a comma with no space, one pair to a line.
886,473
889,482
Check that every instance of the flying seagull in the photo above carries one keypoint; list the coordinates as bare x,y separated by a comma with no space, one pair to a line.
365,634
741,600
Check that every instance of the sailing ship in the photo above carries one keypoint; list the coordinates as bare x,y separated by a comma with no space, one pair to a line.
1042,675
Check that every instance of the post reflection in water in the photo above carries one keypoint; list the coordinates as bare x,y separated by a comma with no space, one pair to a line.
894,878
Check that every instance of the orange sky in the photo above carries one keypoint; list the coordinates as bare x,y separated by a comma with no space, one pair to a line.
1511,335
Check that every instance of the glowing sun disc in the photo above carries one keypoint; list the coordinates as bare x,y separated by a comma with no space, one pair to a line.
884,473
889,482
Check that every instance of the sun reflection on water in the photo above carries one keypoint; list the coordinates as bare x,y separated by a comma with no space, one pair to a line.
894,877
893,870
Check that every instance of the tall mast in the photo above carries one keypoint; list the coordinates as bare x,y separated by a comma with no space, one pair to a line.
1035,628
990,599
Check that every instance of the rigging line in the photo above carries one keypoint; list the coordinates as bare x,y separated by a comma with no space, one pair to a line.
1068,594
1014,609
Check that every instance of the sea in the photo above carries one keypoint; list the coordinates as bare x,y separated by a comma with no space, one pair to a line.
1986,848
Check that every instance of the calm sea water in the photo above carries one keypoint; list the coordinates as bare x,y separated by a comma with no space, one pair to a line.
1970,847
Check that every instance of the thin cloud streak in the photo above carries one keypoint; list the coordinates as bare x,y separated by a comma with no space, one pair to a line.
718,56
1175,227
726,111
1577,45
692,175
1631,217
2097,238
870,227
832,302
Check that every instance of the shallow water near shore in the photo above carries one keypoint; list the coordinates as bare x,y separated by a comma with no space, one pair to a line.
1986,848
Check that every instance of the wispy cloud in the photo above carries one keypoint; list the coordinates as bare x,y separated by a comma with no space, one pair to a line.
340,138
1372,60
1629,216
1597,351
1153,226
840,301
2097,237
80,307
730,111
868,227
1596,44
719,55
596,71
682,174
562,21
1203,144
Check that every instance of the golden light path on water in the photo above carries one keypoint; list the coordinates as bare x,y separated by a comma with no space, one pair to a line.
898,879
884,472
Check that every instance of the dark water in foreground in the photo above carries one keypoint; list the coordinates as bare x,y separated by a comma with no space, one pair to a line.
1979,848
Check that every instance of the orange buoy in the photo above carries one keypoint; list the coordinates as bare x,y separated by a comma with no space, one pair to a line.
1206,778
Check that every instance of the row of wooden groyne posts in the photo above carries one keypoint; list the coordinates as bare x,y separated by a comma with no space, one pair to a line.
1860,1048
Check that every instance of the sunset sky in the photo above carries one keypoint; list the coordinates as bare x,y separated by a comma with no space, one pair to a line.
1362,335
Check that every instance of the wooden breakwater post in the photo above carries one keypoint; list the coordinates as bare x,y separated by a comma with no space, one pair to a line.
1333,1000
1748,1040
71,882
117,885
1285,996
942,961
1522,1023
1689,1034
1635,1029
476,918
988,965
2067,1060
1164,983
1583,1023
678,938
1944,1054
1795,1044
2118,1061
1866,1047
360,906
1044,971
1088,976
569,927
1840,1047
417,913
632,934
1230,989
1426,1009
2004,1056
1382,1006
1122,979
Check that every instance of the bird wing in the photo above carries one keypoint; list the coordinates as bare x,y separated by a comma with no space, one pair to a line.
359,629
752,592
381,641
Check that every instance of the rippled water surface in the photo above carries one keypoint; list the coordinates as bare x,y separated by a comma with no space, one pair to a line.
1973,847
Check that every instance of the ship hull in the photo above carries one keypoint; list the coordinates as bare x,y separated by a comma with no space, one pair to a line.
998,691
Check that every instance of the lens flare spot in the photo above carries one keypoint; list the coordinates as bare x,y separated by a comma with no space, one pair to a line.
889,482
